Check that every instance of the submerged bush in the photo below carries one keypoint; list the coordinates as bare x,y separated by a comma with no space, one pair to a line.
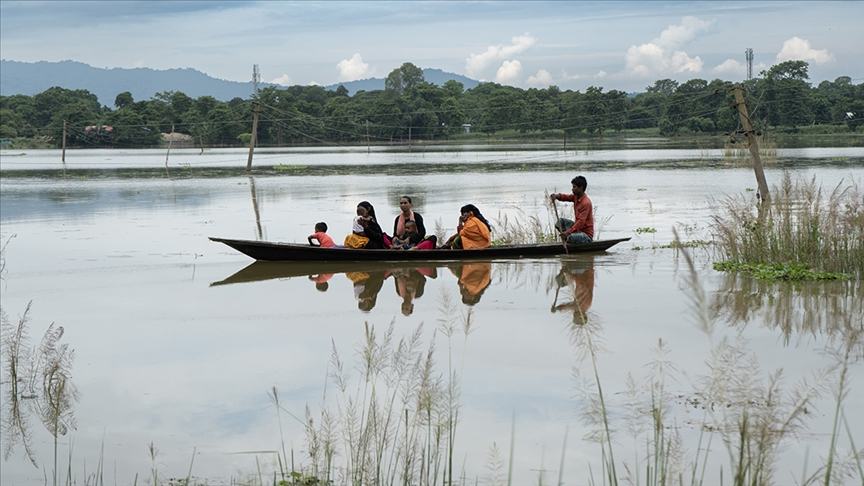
803,226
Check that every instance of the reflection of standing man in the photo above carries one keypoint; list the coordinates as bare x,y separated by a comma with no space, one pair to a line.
582,276
580,230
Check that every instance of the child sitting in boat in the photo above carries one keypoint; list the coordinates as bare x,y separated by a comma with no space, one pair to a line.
358,238
412,239
320,235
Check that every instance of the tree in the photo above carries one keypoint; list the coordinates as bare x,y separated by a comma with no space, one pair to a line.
663,86
787,93
454,89
123,99
403,78
788,70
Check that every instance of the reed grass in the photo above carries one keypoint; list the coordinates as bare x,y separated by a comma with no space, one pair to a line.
739,153
522,228
397,424
804,225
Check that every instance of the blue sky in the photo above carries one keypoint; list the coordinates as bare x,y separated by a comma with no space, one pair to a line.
573,45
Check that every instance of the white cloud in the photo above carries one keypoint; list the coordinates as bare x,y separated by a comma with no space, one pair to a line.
284,80
353,69
799,50
600,74
542,78
477,63
509,72
660,57
678,35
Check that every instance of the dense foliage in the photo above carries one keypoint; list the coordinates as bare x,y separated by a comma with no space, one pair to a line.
409,108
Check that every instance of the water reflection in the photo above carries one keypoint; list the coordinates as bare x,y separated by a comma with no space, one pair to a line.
577,277
474,279
831,309
573,280
410,284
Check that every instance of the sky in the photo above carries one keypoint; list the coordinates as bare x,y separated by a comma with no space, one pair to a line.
570,44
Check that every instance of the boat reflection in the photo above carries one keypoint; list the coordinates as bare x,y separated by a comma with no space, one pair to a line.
367,278
573,280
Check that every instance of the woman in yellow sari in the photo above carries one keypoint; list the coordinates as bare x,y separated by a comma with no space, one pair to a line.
472,231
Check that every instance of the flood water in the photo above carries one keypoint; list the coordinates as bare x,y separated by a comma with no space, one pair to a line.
178,340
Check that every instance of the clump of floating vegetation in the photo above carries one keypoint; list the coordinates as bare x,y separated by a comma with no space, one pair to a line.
778,271
803,226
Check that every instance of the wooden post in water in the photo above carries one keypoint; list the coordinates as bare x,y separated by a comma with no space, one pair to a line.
170,140
254,138
752,144
63,155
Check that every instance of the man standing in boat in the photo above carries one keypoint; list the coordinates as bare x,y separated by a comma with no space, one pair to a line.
582,229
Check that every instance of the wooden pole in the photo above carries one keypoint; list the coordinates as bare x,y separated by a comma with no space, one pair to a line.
753,145
255,207
555,226
368,148
170,140
254,138
63,155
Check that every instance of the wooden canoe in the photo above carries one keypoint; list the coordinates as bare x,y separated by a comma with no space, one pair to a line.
293,252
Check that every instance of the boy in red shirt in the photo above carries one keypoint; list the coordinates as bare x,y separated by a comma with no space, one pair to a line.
320,234
582,229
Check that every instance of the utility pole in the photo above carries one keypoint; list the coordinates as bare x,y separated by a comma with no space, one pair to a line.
753,145
63,155
254,139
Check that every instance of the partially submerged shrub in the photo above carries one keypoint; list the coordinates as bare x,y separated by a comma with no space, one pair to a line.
804,225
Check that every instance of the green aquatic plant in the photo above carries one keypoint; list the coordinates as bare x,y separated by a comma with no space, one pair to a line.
640,231
779,271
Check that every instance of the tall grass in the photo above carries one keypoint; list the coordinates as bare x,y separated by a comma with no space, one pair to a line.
396,425
524,228
740,152
805,224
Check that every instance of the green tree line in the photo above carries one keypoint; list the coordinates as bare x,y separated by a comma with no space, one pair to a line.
409,108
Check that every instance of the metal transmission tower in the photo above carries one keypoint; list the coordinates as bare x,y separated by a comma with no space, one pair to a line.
256,77
748,53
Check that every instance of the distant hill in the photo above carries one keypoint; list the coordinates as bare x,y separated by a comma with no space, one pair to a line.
434,76
30,78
